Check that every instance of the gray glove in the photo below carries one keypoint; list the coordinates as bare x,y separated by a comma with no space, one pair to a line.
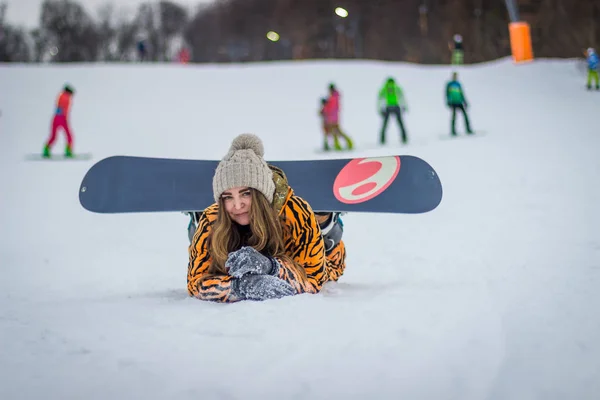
247,260
260,287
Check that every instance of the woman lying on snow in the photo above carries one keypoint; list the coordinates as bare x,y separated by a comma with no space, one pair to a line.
259,240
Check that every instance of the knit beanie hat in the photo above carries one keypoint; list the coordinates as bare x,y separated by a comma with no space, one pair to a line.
244,165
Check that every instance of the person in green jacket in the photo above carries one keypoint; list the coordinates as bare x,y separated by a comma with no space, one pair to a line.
456,100
392,101
456,47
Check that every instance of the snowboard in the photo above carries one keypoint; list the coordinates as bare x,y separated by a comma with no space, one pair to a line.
388,184
58,157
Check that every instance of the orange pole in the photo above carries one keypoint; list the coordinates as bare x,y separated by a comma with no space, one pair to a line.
520,41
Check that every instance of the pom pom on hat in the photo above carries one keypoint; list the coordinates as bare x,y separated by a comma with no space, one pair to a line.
248,141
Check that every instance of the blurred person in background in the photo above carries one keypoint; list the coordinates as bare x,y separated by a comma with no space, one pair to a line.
456,47
593,64
330,113
61,120
325,121
142,48
391,101
184,55
456,101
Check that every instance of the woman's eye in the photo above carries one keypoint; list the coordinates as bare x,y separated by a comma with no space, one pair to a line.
246,194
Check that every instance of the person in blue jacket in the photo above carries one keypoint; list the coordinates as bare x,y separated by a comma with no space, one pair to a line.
456,100
593,65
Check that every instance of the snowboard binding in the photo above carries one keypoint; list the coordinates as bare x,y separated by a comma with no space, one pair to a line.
193,225
332,228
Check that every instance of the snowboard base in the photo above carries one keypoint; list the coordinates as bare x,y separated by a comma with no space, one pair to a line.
385,184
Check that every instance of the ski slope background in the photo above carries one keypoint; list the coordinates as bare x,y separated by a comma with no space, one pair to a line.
493,295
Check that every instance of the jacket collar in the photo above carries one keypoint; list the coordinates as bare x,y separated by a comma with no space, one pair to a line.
283,191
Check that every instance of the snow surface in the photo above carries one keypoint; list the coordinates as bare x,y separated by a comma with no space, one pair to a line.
493,295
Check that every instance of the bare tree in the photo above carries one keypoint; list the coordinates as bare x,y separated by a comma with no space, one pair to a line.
14,46
70,29
173,19
108,49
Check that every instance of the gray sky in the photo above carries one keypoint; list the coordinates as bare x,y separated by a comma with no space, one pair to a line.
27,12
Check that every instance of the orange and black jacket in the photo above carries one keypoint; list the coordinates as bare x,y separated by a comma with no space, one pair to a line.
303,243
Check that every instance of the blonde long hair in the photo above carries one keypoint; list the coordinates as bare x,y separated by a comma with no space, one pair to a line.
266,235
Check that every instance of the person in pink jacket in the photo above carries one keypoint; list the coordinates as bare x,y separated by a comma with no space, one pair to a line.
330,113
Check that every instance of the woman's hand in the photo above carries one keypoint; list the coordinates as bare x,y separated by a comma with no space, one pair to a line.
249,261
260,287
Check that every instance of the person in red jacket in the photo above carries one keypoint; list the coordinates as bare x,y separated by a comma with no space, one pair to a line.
61,120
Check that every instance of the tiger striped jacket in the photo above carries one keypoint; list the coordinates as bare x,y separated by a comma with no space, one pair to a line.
303,243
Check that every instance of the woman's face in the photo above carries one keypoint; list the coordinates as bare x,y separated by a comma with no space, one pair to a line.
238,201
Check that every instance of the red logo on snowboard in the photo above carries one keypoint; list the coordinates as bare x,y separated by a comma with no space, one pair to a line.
364,178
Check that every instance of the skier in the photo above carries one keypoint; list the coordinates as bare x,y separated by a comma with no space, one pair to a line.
392,101
593,66
456,47
259,240
142,49
330,111
456,100
184,55
324,126
61,120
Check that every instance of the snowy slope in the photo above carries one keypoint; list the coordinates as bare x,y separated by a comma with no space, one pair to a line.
493,295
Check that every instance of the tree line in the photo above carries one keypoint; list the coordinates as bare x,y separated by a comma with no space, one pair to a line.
236,30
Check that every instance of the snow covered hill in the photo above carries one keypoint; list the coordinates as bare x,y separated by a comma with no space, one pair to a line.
493,295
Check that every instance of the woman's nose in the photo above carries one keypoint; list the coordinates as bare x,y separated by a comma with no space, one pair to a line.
239,204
